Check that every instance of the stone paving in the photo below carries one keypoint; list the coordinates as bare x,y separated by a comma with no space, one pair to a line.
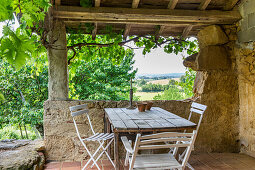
202,161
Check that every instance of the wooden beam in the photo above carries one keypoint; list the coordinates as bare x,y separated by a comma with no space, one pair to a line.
204,4
78,22
135,3
149,16
230,4
57,2
127,29
172,4
94,32
97,3
159,31
186,31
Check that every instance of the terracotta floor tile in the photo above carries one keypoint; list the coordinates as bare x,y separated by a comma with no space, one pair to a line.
94,167
53,165
71,166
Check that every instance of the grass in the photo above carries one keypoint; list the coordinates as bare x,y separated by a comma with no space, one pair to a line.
12,132
146,95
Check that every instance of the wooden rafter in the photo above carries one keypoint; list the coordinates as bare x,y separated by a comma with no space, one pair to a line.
230,4
57,2
94,32
203,5
186,31
135,3
146,16
127,29
97,3
159,31
172,4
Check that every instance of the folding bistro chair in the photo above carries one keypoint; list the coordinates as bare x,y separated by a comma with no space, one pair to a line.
156,141
198,109
96,137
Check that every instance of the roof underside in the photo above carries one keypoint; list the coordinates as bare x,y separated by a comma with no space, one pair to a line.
142,17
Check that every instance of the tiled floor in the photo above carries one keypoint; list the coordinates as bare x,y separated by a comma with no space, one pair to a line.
203,161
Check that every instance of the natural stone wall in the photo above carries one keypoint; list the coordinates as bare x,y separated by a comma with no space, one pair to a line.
61,140
216,86
246,81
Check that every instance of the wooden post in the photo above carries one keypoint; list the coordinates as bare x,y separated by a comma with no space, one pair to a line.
116,151
57,58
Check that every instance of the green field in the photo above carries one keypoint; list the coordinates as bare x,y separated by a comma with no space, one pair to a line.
146,95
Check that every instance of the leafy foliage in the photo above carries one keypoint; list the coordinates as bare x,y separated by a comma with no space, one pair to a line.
101,79
187,82
21,44
172,93
25,90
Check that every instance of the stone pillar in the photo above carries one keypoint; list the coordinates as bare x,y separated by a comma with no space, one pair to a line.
245,61
57,57
216,86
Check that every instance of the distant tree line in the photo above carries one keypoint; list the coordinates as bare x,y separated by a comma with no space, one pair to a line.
157,87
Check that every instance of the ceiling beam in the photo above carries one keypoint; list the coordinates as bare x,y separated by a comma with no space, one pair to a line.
159,31
204,4
230,4
186,31
78,22
127,29
57,2
97,3
94,32
172,4
149,16
135,3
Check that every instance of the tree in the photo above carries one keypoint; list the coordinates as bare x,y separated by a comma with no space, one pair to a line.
172,93
25,90
101,79
187,82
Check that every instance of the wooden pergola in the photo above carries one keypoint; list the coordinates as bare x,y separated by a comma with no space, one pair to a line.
143,17
130,17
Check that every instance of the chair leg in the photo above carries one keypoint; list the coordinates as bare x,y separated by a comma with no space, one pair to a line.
189,166
181,159
104,151
92,156
126,159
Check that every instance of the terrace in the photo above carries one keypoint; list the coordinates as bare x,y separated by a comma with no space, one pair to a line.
224,81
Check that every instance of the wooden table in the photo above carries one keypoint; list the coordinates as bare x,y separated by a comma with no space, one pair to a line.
122,120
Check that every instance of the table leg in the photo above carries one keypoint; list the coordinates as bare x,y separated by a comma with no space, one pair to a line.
116,151
108,130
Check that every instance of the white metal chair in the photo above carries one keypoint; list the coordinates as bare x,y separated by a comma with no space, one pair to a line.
96,137
156,141
198,109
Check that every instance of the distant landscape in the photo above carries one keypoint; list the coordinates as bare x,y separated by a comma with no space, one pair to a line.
152,86
159,76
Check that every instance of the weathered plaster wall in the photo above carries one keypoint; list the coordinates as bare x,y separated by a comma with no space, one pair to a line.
245,60
246,80
216,86
61,141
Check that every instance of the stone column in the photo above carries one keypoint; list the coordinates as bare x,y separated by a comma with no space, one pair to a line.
57,57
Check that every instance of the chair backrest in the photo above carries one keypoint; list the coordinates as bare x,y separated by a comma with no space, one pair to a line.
164,140
198,109
79,110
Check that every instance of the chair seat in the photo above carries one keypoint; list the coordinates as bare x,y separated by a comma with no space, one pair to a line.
100,137
156,161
